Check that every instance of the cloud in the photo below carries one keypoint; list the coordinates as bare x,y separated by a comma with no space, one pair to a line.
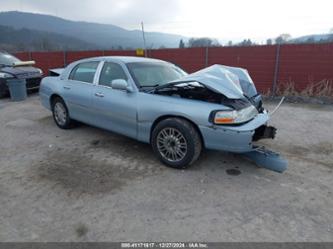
237,19
124,13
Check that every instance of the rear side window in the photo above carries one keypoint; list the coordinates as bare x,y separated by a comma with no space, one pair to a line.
84,72
111,71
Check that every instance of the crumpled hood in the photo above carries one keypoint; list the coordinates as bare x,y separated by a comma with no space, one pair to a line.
232,82
22,72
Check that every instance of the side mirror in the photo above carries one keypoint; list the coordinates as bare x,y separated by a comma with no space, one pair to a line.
121,84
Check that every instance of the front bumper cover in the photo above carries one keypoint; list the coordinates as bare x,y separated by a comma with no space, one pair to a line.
233,138
239,139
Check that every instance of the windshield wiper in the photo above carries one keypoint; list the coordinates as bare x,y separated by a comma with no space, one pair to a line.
160,86
149,86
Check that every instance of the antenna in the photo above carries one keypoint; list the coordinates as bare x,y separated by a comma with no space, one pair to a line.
144,39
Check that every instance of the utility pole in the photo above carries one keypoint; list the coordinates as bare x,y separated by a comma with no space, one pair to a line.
144,39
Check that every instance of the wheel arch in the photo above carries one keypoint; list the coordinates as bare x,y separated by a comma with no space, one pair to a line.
163,117
53,97
56,95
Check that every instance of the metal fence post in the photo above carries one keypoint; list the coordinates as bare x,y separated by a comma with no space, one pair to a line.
276,69
206,57
30,56
65,58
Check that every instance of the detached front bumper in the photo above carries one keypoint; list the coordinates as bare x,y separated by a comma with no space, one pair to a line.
238,139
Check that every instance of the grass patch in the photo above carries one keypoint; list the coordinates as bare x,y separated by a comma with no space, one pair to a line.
323,88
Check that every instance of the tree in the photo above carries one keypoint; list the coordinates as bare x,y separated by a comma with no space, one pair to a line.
310,40
246,42
269,41
249,42
203,42
46,44
21,47
331,31
283,38
229,43
181,44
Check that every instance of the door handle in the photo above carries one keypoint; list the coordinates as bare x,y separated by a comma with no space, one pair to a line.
67,87
101,95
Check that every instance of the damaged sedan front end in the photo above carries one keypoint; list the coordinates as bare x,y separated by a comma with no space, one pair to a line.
156,102
242,121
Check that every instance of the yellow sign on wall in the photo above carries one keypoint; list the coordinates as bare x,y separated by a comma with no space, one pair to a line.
140,52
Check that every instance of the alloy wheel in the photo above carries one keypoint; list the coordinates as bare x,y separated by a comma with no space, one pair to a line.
171,144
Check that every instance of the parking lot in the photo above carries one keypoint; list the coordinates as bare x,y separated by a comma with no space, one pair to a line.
86,184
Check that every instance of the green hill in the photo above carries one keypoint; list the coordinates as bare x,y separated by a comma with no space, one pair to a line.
105,36
31,40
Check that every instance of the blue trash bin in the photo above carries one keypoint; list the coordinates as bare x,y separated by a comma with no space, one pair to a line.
17,89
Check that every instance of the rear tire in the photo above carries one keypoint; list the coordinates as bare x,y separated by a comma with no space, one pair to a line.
60,114
176,142
4,92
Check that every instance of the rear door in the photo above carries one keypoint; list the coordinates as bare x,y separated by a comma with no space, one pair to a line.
78,90
115,110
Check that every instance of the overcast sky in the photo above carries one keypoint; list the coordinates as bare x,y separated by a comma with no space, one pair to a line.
225,20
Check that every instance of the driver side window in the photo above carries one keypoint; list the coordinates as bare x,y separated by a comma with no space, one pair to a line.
111,71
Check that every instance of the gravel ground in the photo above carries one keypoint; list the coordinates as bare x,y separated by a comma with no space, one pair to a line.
87,184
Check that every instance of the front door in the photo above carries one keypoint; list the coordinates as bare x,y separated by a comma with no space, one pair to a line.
115,110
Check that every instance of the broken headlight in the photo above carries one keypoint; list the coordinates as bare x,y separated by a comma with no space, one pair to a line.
234,116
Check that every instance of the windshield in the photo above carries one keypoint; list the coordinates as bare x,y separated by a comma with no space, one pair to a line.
146,74
7,59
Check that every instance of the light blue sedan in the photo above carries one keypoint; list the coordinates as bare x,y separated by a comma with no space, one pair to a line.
156,102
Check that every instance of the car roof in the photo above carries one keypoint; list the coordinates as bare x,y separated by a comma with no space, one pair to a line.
124,59
5,53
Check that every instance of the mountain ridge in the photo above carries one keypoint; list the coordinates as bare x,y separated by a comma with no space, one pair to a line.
106,36
313,38
24,39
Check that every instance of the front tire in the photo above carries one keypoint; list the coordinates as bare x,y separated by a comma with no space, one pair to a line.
176,142
60,114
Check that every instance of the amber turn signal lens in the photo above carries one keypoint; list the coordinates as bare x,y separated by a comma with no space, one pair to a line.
224,120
